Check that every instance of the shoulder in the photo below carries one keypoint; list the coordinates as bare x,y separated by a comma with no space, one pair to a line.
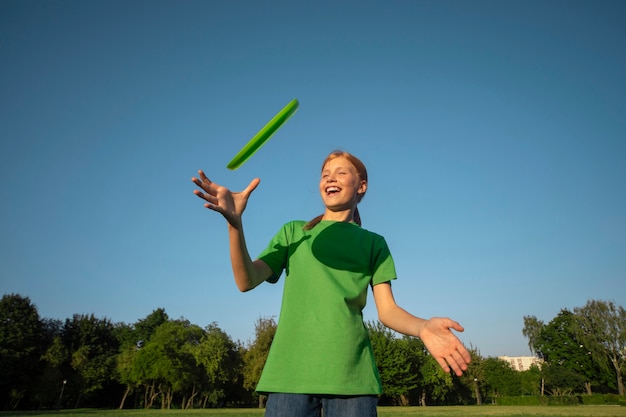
373,235
291,228
294,225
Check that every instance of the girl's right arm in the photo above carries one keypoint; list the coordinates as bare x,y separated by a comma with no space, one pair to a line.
248,274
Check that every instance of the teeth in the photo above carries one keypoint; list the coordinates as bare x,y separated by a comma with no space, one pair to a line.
332,189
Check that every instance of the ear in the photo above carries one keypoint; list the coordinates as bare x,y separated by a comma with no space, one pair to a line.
362,187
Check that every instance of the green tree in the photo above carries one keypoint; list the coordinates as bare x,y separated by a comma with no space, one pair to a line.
221,361
145,328
394,364
532,331
602,330
255,354
433,384
474,377
50,382
131,338
165,365
500,379
21,346
531,381
125,374
561,380
567,365
92,348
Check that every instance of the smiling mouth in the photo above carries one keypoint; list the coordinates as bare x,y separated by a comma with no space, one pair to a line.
332,190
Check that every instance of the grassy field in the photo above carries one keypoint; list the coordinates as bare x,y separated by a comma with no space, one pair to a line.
469,411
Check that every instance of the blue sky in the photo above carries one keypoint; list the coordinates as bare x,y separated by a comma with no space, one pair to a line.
494,134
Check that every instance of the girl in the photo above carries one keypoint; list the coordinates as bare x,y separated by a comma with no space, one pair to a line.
321,356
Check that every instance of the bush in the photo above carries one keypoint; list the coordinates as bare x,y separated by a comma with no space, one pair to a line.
539,400
603,399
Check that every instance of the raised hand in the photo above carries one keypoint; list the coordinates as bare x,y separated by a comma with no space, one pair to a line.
218,198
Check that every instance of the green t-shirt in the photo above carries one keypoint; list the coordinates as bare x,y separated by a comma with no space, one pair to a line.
321,344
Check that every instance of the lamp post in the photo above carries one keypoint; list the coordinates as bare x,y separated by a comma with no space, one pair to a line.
61,395
479,399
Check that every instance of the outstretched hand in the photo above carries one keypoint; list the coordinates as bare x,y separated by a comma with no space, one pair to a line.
444,346
218,198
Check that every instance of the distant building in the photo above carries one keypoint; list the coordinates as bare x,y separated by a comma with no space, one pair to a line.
521,363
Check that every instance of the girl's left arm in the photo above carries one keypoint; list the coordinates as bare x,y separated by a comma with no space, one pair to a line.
435,332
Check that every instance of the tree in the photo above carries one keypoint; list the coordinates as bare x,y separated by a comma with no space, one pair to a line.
145,328
394,363
474,377
532,331
561,380
125,372
21,337
602,329
500,379
93,348
221,363
433,384
165,365
567,365
255,355
131,338
531,381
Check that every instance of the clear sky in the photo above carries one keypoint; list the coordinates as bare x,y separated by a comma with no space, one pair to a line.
494,133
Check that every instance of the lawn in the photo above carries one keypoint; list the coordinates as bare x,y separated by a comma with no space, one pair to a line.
469,411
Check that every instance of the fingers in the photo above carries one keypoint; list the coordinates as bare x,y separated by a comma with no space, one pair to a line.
458,363
456,326
251,187
209,194
450,324
444,365
203,182
447,349
455,362
202,176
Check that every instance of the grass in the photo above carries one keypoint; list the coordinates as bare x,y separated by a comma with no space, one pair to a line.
460,411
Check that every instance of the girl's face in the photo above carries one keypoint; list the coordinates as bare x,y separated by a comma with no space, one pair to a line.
340,185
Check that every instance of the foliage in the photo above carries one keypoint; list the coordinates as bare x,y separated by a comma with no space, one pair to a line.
162,363
530,381
408,373
92,348
603,399
220,358
579,348
562,400
602,329
255,355
21,337
165,364
501,379
393,358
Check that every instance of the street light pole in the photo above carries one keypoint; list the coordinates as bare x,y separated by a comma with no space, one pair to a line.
61,395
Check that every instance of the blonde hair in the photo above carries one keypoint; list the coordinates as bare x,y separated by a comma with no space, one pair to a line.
361,171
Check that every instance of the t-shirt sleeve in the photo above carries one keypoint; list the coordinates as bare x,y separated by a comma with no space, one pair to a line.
275,254
384,268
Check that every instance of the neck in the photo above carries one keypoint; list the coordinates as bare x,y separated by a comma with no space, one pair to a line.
346,216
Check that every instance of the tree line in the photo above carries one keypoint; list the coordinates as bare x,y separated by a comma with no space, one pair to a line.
159,362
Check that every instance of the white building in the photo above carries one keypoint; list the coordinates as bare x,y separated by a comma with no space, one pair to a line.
521,363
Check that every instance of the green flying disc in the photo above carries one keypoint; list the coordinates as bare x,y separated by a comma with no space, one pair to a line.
263,135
